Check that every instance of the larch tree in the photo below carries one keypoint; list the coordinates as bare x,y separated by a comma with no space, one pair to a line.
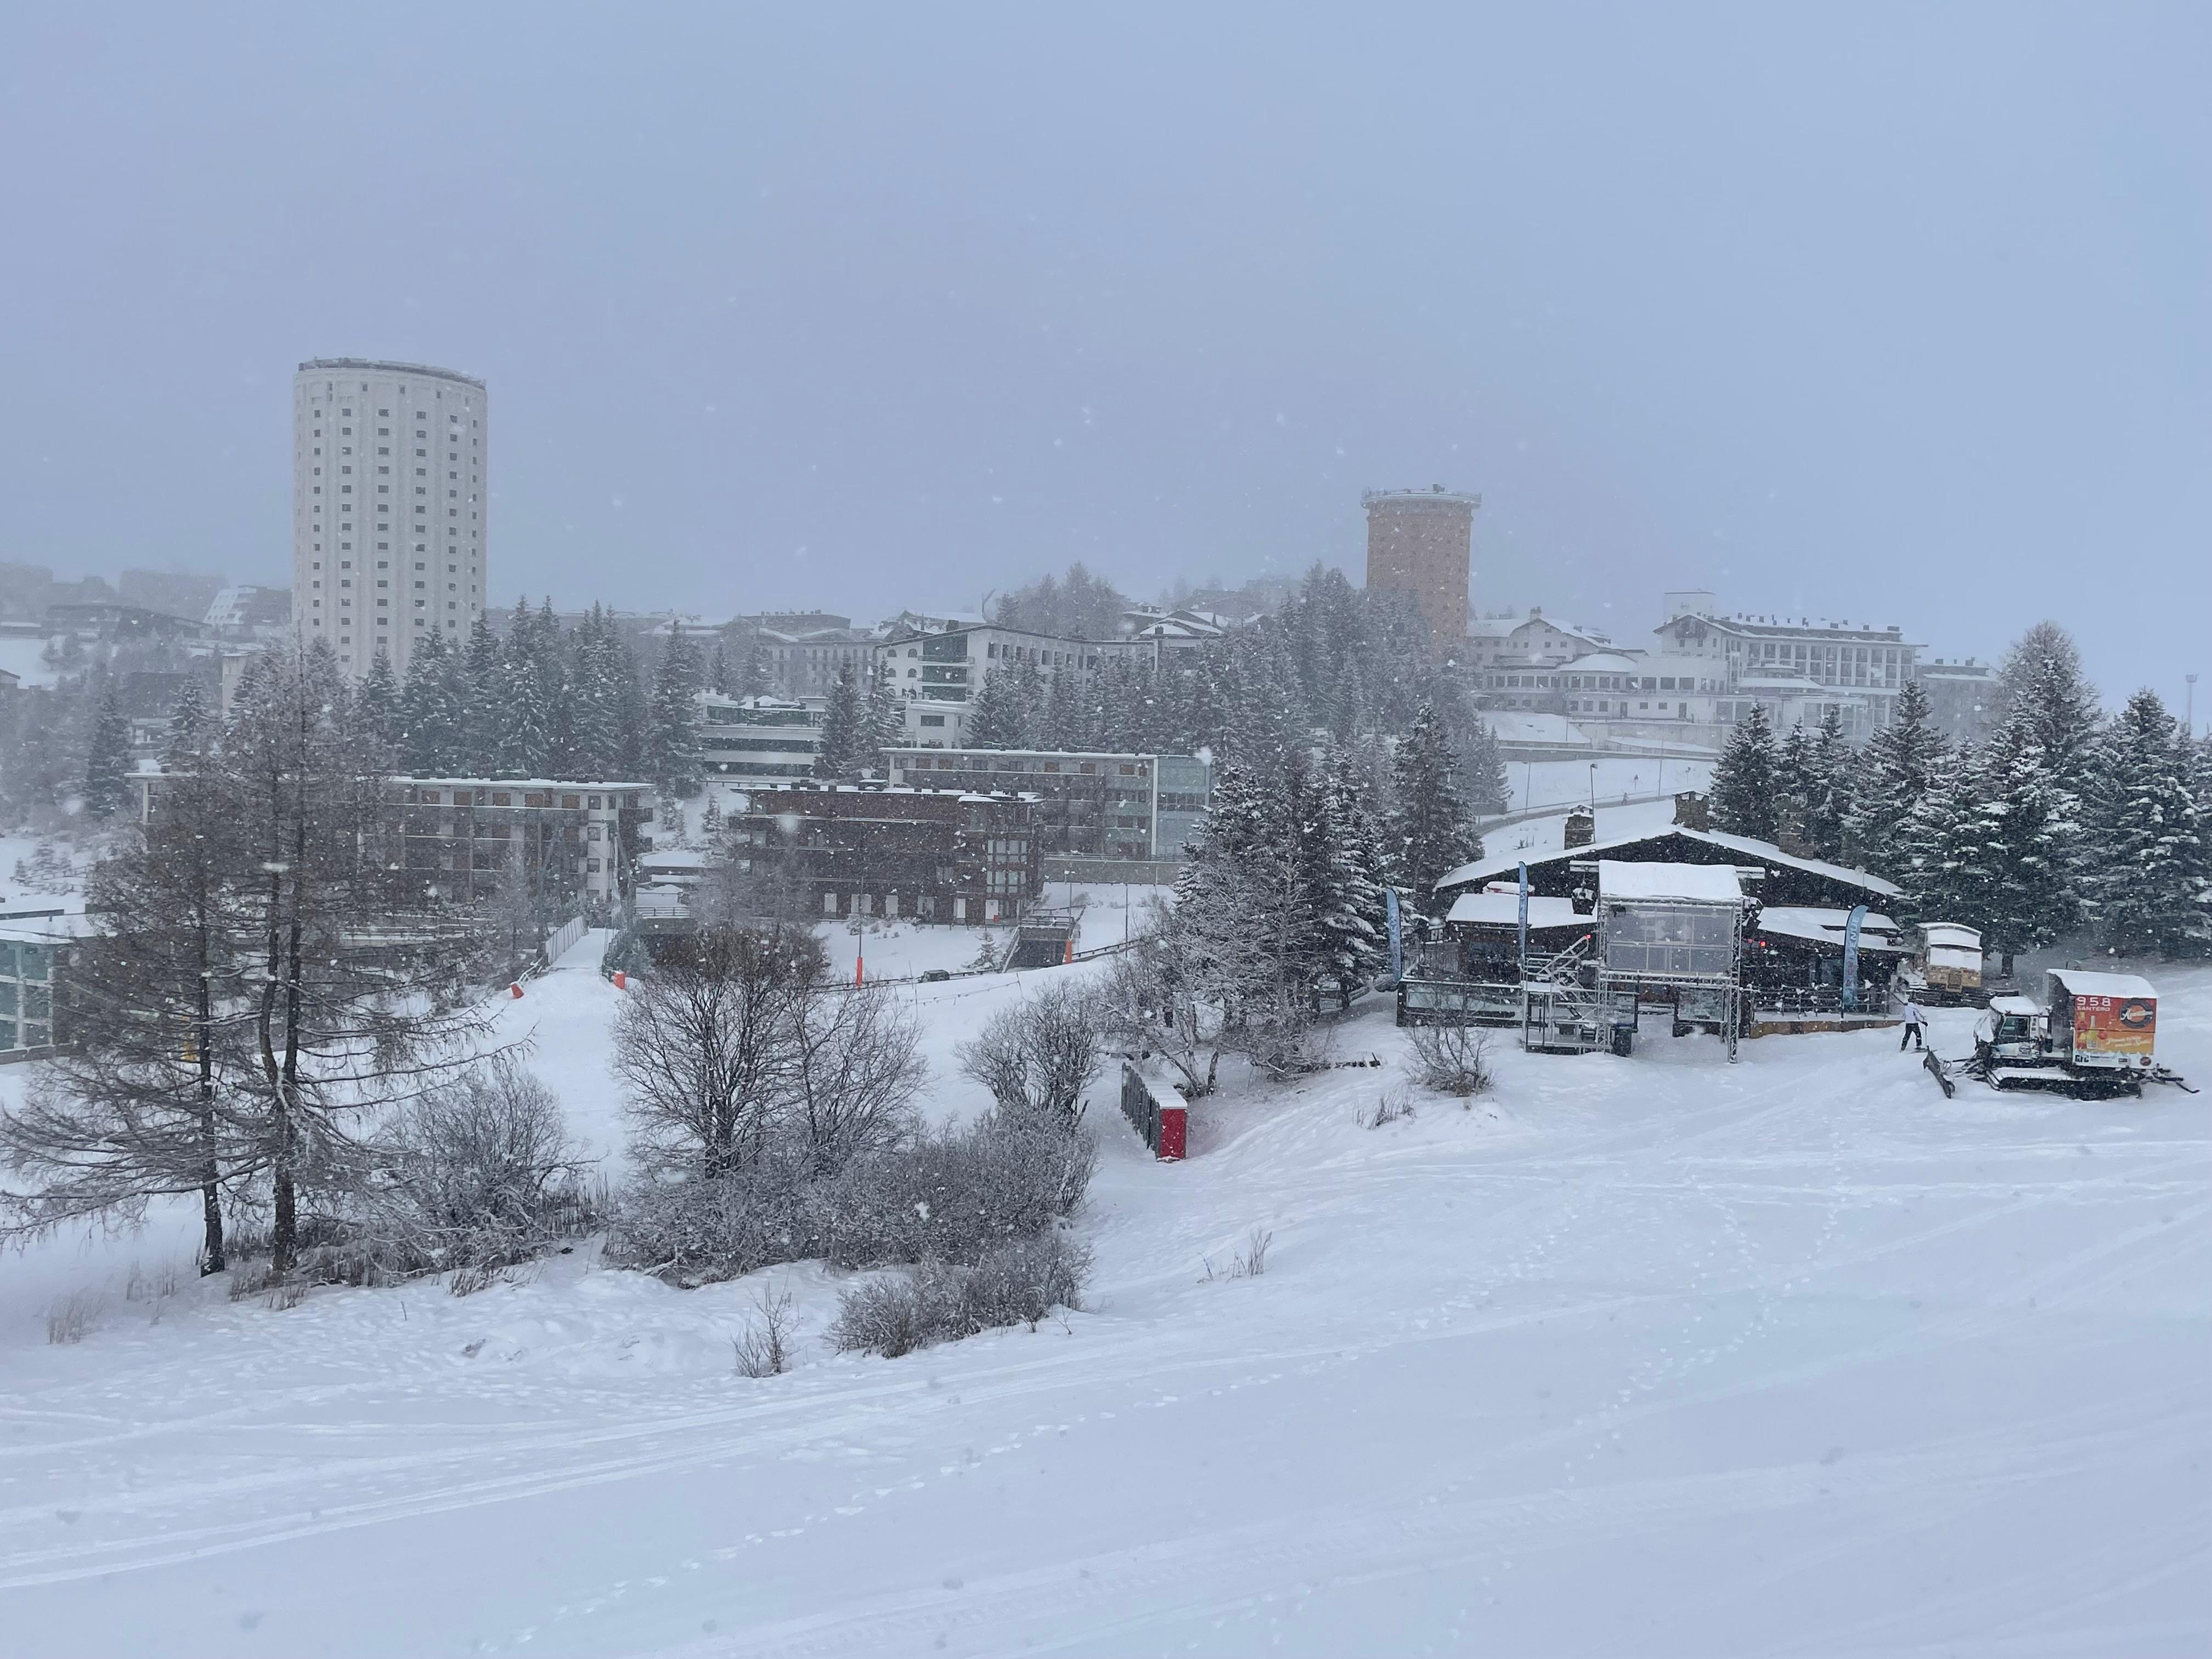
143,1103
333,1030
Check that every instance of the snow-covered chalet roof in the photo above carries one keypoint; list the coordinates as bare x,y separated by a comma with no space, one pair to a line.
1759,852
1503,911
1707,884
1878,934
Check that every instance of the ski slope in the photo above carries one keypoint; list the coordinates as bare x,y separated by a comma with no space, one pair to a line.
1655,1356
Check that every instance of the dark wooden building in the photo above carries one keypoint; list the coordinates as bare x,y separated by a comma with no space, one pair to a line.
932,855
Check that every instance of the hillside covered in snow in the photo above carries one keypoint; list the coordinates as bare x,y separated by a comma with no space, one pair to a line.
1651,1356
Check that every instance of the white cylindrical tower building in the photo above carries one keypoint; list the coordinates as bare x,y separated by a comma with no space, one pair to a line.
388,507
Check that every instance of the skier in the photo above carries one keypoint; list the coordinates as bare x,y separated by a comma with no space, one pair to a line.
1915,1023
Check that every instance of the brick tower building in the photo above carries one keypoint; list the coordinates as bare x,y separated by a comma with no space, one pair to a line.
1421,541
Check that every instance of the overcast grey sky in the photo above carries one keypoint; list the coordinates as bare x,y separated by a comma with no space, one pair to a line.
1898,314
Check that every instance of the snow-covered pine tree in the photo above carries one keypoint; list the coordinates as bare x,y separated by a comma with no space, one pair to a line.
108,765
883,721
484,701
2197,755
433,736
994,719
593,702
721,677
377,698
2041,682
192,723
1941,856
1482,770
1793,780
2029,832
1828,789
529,691
1744,780
1432,835
1347,876
841,729
2148,829
1901,764
672,750
754,679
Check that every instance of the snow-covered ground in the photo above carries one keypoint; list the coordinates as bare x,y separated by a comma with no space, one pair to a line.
1655,1356
1538,784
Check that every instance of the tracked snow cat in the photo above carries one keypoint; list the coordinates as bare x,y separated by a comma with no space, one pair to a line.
2094,1037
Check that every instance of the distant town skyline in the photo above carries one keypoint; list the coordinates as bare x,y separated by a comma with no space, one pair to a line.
1899,321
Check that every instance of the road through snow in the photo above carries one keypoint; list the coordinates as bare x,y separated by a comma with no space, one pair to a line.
1655,1356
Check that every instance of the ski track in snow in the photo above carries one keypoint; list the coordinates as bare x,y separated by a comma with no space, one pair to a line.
1653,1356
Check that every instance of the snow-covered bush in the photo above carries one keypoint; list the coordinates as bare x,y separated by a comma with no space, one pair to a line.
1018,1283
1038,1057
475,1176
1454,1058
952,1197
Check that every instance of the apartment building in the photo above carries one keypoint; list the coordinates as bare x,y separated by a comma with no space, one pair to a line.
1088,805
575,839
949,666
390,501
931,856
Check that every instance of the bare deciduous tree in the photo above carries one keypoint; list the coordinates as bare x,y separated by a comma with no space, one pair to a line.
855,1071
1149,1003
1038,1056
705,1044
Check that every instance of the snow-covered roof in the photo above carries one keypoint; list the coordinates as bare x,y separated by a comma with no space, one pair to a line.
1710,883
1492,628
1503,911
1754,852
2080,983
1599,662
1956,934
673,858
1878,934
2013,1005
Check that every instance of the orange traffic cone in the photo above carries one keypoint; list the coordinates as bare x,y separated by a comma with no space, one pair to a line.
516,989
622,982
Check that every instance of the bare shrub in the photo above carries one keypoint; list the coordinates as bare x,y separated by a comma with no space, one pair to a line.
285,1294
1038,1056
1253,1261
1249,1263
250,1280
1454,1058
475,1177
1390,1106
487,1153
765,1348
953,1196
144,1285
73,1317
1019,1283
